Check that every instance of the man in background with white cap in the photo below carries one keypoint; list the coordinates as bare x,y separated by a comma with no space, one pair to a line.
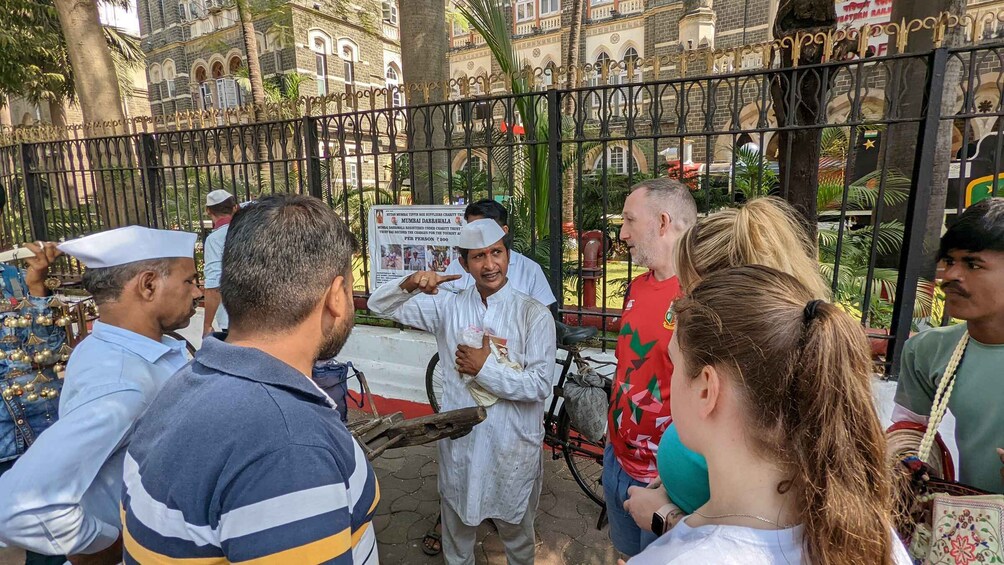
501,344
221,207
62,496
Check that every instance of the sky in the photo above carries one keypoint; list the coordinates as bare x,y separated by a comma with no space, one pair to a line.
126,19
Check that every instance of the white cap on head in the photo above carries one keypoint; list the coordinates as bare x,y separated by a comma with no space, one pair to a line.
129,244
480,234
217,196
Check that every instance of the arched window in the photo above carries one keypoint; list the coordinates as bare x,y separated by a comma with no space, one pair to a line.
155,76
393,85
616,159
205,93
547,77
235,65
474,165
183,11
169,75
348,55
217,69
320,49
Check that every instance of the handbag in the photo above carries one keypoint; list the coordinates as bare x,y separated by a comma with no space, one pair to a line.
943,521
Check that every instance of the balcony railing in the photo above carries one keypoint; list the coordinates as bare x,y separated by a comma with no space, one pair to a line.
539,25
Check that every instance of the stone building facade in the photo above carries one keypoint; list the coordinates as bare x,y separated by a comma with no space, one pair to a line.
195,49
620,30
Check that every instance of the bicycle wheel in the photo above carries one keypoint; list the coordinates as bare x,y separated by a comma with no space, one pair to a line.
584,457
434,382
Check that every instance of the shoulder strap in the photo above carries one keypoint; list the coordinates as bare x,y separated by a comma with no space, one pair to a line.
941,397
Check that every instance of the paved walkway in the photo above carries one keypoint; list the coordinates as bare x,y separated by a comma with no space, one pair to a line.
409,504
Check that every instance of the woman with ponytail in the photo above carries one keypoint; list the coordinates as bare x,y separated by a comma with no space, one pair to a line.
777,399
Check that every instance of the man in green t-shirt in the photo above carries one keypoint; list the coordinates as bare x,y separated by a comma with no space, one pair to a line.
972,263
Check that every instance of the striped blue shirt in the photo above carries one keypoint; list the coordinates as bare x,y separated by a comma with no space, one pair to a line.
242,459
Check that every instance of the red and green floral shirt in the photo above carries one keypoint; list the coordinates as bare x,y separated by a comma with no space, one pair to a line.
639,407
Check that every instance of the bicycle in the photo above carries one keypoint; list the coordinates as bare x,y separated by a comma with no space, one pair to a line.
583,457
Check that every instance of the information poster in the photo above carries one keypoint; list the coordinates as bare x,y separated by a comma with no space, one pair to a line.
405,239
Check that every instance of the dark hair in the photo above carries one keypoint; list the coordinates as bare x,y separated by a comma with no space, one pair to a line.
223,208
488,208
106,283
979,228
281,254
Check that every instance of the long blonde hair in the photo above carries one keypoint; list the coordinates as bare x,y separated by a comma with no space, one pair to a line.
764,231
802,370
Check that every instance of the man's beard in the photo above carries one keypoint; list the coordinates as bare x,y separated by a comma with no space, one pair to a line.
334,341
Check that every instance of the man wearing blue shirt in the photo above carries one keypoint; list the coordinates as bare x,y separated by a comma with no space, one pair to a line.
62,496
243,458
221,206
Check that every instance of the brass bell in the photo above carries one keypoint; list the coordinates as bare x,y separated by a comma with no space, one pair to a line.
5,306
3,355
39,358
15,356
30,387
8,394
64,353
59,368
23,323
16,389
63,321
10,322
32,397
53,393
44,320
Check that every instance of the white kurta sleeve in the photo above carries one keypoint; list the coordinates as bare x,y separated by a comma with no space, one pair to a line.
414,309
533,383
40,497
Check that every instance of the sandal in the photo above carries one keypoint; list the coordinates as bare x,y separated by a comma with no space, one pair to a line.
432,543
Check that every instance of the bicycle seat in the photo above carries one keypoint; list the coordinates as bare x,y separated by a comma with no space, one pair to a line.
569,335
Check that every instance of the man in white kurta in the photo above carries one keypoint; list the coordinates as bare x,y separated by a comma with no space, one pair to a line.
495,471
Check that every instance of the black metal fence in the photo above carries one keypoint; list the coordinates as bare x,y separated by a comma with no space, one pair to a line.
860,143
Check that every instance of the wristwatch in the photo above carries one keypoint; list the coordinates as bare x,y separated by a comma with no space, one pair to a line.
665,518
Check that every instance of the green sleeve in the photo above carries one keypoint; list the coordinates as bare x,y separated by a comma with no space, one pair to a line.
916,388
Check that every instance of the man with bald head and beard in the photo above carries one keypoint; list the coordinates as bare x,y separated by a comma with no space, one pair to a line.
243,457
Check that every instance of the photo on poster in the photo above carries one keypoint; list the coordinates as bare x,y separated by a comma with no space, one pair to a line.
438,257
414,258
391,257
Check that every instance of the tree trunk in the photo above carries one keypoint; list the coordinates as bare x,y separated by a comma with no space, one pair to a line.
97,88
799,175
251,52
571,67
57,113
424,46
244,14
5,118
901,139
94,78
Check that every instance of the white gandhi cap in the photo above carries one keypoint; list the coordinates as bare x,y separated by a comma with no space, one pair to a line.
218,196
129,244
480,234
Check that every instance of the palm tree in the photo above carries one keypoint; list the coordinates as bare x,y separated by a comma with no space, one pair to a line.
488,19
571,68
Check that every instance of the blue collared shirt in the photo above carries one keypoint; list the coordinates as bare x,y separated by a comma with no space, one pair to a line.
62,496
243,458
213,269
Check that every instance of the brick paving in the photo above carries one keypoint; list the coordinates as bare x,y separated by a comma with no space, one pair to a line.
409,503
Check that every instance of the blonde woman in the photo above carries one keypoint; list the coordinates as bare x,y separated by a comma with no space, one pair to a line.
777,399
765,231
